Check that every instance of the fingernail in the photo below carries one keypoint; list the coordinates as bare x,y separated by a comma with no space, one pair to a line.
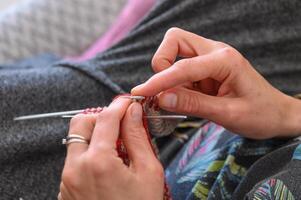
136,112
137,87
169,100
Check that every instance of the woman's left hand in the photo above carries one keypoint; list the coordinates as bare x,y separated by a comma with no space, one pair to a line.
95,171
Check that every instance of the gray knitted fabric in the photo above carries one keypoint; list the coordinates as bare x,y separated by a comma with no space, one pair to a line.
31,154
267,32
63,27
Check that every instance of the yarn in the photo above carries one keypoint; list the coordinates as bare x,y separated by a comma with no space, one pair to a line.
150,107
158,127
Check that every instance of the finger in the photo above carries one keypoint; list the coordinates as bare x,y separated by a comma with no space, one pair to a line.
59,196
106,130
178,42
217,65
135,137
193,103
64,193
83,125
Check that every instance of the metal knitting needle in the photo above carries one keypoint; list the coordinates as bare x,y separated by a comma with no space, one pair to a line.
137,98
70,114
44,115
165,116
147,116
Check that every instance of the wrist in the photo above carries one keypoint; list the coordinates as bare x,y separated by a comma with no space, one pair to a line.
292,121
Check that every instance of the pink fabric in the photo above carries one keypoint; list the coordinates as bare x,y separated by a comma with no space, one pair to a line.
133,11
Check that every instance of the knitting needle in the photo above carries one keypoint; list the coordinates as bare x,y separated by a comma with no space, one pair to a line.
55,114
44,115
148,116
70,114
137,98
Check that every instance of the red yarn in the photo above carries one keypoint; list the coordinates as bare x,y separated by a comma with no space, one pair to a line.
122,153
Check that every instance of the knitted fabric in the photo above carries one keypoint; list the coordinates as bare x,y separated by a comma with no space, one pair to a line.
158,127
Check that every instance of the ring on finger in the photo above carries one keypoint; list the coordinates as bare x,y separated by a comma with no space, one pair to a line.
74,138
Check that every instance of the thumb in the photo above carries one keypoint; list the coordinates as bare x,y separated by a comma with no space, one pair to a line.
193,103
135,137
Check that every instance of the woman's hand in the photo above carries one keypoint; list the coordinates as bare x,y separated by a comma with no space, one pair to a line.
96,172
216,82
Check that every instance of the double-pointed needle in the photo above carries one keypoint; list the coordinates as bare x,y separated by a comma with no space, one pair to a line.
71,113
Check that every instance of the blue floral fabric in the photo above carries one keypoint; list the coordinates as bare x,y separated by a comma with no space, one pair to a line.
213,163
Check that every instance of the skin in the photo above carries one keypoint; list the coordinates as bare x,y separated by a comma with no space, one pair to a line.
213,81
227,89
96,172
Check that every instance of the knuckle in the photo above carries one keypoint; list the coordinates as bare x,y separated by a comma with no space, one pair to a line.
189,104
173,31
220,45
157,169
69,179
101,149
62,186
184,63
96,165
156,61
79,118
136,133
237,59
183,67
229,52
104,115
233,112
159,61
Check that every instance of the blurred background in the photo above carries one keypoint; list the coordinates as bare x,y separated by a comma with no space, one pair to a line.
7,3
74,30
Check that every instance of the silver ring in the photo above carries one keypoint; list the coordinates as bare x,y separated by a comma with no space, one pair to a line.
74,138
70,136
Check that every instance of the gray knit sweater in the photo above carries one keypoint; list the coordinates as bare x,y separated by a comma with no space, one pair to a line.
267,32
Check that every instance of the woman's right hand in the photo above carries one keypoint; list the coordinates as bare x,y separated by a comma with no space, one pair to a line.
216,82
